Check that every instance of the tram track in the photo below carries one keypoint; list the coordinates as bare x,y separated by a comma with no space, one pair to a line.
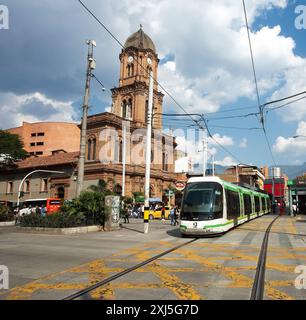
258,288
101,283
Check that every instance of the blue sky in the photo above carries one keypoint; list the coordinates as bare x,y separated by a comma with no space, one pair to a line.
205,64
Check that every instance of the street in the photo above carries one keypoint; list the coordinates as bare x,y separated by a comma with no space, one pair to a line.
45,266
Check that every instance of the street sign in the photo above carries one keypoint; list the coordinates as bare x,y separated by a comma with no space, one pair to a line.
180,185
290,183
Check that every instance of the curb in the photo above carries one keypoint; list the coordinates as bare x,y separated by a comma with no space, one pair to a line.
7,223
75,230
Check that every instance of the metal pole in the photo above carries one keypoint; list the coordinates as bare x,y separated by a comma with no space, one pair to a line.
204,153
148,156
213,165
123,158
90,67
23,180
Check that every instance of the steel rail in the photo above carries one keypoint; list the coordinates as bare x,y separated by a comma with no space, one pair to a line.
259,281
124,272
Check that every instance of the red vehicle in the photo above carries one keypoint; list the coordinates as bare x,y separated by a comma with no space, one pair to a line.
52,204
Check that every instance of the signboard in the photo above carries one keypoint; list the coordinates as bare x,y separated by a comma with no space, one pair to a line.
112,204
180,185
290,183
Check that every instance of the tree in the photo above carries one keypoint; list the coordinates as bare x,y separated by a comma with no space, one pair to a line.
11,149
101,187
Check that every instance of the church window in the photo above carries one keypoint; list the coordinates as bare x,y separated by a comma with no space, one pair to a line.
165,158
130,69
127,109
89,149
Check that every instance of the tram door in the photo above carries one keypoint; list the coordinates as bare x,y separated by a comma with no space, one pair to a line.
233,205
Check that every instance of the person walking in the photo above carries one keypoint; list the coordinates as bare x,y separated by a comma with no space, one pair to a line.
294,208
127,213
163,213
171,215
43,211
176,214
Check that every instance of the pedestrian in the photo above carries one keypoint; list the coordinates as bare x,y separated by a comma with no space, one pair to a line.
176,215
171,215
127,212
43,211
36,210
294,208
163,213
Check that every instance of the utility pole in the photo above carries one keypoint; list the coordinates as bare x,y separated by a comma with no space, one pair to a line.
148,156
91,64
204,153
213,165
123,157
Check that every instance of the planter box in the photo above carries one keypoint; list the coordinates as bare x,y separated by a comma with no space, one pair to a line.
7,223
74,230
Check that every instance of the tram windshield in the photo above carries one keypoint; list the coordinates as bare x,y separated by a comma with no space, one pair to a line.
202,201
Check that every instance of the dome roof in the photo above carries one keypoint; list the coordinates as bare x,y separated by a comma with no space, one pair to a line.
140,40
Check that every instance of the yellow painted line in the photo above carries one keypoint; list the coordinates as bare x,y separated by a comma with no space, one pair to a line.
182,290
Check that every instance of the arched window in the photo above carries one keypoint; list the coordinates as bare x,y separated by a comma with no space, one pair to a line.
130,70
120,151
94,141
89,149
165,157
127,109
123,111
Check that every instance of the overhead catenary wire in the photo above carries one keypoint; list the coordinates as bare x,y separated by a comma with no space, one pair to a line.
260,107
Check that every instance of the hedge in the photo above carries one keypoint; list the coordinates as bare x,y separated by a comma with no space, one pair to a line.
5,214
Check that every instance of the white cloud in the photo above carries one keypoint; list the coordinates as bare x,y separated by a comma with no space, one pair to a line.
224,140
227,161
33,107
292,147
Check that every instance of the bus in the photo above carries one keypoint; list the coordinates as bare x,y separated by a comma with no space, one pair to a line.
52,204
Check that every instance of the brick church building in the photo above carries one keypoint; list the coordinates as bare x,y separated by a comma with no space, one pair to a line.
129,108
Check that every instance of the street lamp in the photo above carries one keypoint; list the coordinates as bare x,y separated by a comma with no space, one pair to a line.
22,181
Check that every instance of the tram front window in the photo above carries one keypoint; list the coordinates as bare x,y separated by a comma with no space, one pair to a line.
202,201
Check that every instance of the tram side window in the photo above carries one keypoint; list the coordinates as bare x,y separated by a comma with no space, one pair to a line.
233,204
247,204
264,204
257,204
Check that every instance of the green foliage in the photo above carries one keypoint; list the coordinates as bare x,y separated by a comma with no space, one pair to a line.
90,204
11,148
56,220
5,214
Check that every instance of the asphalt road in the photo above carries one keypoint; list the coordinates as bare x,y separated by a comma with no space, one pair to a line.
54,266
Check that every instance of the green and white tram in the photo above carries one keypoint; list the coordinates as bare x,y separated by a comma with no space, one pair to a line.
213,206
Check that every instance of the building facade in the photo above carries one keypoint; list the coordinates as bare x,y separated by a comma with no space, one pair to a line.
40,184
42,138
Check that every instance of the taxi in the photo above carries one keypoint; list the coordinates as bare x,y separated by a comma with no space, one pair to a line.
156,214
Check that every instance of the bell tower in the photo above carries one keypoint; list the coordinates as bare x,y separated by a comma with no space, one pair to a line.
130,99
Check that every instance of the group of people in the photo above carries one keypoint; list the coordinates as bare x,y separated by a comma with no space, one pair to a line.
137,211
27,210
174,215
